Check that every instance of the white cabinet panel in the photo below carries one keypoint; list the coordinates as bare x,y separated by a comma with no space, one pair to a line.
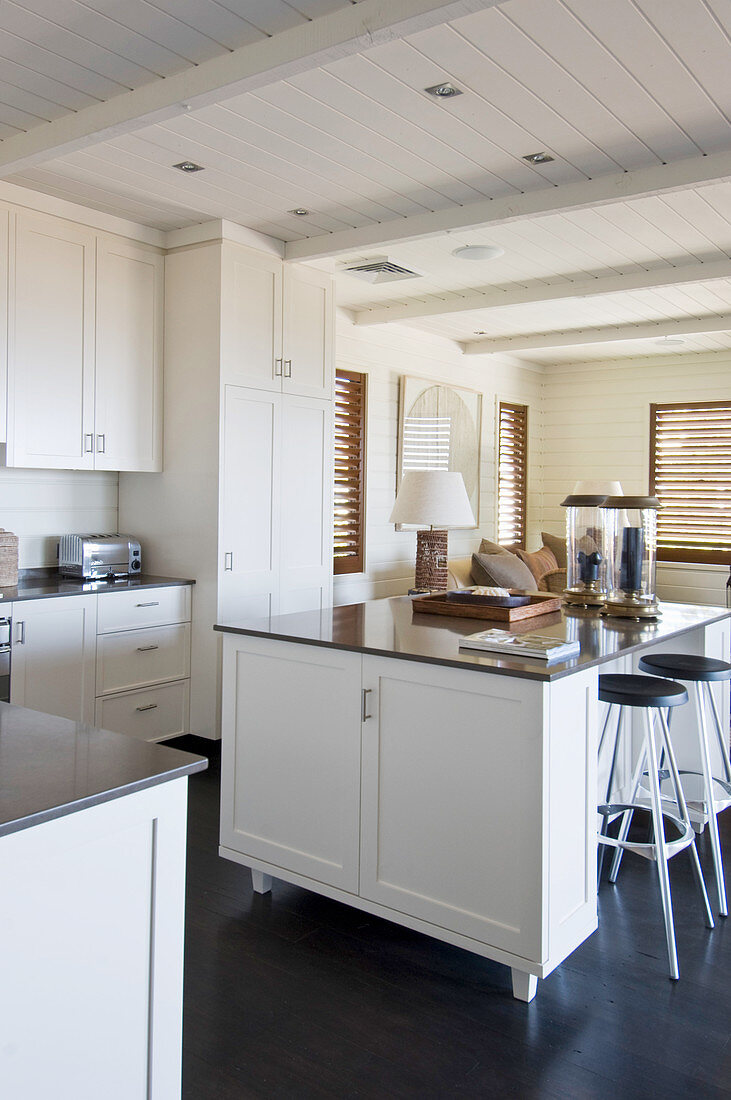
249,546
306,504
251,326
140,607
308,337
128,404
51,344
136,658
4,264
53,658
290,781
149,714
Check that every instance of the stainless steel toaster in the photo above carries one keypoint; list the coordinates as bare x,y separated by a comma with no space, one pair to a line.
94,557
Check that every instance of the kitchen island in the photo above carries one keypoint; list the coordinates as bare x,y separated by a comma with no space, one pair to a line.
368,758
92,867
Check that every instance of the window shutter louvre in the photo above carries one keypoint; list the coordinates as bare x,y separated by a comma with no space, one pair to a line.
690,474
349,464
512,473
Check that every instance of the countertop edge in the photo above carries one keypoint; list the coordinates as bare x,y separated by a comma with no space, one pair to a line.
46,588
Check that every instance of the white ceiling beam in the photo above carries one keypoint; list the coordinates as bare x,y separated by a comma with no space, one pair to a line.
342,33
532,293
652,330
617,187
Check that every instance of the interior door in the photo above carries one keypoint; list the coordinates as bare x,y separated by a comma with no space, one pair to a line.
51,344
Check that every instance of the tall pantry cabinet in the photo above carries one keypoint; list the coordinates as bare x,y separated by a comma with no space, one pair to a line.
244,503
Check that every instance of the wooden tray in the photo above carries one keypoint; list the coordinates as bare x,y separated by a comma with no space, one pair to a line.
541,603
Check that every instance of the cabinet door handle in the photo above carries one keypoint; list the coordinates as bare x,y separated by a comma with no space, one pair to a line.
287,368
101,443
146,648
150,706
278,368
20,632
88,444
150,603
228,562
364,704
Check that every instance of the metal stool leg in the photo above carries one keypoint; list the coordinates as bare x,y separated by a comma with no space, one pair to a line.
708,790
682,806
628,814
722,744
610,781
660,853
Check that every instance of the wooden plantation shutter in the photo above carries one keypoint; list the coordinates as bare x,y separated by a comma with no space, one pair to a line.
512,473
690,473
349,495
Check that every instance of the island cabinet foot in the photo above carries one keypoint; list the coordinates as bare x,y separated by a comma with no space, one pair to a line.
458,803
262,883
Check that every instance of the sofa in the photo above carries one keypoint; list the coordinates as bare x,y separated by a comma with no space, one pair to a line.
542,570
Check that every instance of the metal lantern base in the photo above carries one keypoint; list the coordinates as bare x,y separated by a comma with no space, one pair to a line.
584,597
431,560
631,607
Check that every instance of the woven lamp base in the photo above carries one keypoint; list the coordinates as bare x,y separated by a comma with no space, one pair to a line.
431,559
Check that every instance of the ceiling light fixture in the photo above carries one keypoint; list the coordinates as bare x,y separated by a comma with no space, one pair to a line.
299,211
443,91
478,252
189,166
667,341
538,158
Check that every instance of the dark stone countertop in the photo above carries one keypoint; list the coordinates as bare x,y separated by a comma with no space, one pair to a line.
40,584
392,628
50,767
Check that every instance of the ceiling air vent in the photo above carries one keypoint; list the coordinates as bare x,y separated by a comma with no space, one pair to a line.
381,270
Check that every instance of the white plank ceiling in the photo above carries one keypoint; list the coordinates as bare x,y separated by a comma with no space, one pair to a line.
603,87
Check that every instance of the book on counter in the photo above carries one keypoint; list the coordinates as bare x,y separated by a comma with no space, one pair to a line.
541,646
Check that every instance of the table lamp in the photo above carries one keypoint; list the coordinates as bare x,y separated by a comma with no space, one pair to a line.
436,499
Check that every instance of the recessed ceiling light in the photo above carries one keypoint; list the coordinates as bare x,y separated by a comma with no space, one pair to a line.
667,341
478,252
480,332
299,211
443,91
189,166
538,158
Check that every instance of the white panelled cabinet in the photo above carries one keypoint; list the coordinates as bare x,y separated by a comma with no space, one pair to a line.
4,254
53,656
84,347
277,323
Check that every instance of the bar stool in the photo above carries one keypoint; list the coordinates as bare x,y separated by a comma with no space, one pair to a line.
650,694
702,672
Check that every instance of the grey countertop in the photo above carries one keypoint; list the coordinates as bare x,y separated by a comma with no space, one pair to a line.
50,767
392,628
40,584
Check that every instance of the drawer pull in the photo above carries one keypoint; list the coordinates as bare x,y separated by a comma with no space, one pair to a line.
150,706
151,603
146,648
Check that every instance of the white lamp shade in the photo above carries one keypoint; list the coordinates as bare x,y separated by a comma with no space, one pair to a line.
598,488
433,498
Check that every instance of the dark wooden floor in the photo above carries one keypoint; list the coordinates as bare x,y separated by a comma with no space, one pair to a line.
293,995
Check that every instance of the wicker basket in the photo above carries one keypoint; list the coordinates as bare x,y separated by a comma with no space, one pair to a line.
8,559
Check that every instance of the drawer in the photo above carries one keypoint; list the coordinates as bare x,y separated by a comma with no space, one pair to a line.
136,658
149,714
143,607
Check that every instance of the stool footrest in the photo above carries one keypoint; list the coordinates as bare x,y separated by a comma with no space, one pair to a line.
648,849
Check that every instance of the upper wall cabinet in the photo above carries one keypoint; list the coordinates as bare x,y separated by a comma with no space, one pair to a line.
84,348
276,332
4,223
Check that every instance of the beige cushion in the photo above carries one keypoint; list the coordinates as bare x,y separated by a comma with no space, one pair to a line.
502,569
539,562
558,545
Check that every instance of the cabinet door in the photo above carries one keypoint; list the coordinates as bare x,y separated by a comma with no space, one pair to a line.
249,525
447,835
290,789
308,332
129,332
306,504
251,318
4,262
53,657
51,345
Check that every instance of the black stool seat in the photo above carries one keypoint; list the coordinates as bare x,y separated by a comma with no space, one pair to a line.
640,691
686,666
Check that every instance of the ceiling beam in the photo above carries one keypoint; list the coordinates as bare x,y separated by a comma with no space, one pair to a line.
492,297
617,187
651,330
342,33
